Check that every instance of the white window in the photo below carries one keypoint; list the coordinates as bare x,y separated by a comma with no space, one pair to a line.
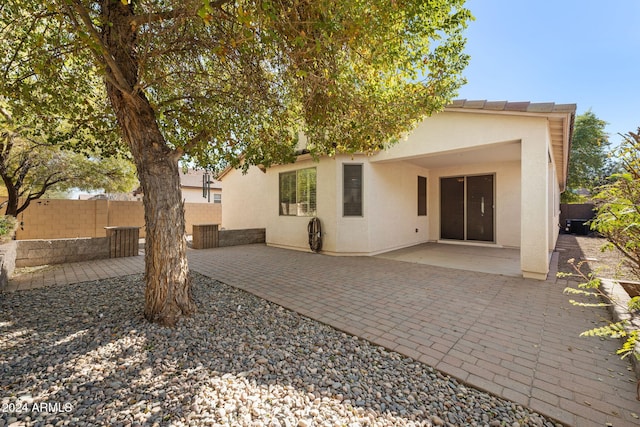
298,192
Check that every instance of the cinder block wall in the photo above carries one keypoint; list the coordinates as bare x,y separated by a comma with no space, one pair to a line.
126,214
31,253
202,213
241,237
58,219
54,219
7,262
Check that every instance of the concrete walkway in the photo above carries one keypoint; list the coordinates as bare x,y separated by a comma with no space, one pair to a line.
509,336
484,259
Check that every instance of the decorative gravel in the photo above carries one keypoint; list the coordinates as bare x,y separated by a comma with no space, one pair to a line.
83,355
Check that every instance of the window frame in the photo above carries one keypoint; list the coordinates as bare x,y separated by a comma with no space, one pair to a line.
422,195
293,205
358,213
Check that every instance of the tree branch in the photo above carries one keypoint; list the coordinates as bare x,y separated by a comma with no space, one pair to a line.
118,79
34,196
179,151
138,20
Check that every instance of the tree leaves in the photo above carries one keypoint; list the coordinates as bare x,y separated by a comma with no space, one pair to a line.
590,164
623,329
352,75
618,205
30,167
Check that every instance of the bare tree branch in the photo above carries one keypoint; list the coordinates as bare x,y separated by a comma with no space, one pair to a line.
148,18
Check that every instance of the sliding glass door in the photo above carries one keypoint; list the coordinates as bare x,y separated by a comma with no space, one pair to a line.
467,208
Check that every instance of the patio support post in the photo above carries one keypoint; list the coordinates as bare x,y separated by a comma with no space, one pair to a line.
534,228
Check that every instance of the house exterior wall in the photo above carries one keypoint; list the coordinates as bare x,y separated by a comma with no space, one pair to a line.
194,195
247,204
291,231
389,215
457,132
253,203
507,200
535,205
392,206
514,148
449,132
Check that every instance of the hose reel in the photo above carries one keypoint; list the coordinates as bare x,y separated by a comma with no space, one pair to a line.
314,228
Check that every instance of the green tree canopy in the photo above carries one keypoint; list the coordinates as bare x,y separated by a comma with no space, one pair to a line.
31,168
618,204
233,81
589,161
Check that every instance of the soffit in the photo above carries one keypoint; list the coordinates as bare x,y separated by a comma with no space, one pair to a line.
560,118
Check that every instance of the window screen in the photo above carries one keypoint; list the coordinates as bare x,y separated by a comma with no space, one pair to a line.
352,190
422,196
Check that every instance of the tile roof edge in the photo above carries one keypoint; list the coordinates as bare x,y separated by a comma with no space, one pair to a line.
522,107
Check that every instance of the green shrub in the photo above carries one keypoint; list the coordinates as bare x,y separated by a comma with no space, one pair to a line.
590,290
7,228
618,205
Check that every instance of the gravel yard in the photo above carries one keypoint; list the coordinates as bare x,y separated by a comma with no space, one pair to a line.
83,355
608,263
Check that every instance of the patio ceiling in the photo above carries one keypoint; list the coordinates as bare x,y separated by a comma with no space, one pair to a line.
501,152
560,117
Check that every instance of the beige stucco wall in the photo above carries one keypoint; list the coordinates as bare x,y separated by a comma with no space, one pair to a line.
507,199
389,216
514,148
390,192
290,231
455,133
194,195
390,212
248,204
451,132
535,205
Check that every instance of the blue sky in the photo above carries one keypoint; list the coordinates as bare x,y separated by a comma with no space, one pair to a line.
563,51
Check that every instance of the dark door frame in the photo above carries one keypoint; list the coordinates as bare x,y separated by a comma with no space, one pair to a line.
454,216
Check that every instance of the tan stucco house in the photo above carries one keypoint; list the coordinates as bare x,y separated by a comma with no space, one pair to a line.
478,173
191,184
193,187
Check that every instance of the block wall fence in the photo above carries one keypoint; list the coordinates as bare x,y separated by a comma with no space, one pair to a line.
59,219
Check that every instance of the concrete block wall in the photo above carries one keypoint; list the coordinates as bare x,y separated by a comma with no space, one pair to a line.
53,219
57,219
202,213
7,262
30,253
241,237
126,214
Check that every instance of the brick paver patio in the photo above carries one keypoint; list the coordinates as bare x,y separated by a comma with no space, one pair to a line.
513,337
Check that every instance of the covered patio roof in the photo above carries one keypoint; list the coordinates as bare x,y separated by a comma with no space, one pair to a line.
560,117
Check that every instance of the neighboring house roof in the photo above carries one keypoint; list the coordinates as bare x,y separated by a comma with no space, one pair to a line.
193,179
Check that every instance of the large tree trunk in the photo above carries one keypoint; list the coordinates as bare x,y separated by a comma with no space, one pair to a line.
12,197
168,284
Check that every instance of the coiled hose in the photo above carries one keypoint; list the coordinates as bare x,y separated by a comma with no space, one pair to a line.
315,234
